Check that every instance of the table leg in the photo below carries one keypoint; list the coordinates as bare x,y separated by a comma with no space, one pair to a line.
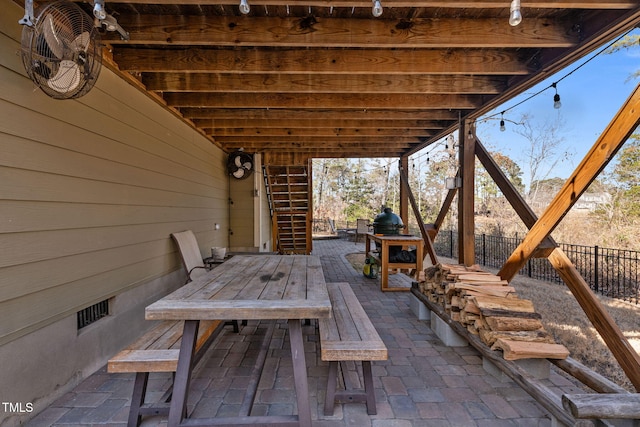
178,409
300,372
384,266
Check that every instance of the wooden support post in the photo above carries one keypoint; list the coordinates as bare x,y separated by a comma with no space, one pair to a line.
428,244
446,205
403,164
466,205
612,335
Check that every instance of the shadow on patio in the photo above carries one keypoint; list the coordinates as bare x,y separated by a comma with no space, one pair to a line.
424,383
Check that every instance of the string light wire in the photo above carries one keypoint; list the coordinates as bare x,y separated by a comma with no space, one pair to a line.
554,84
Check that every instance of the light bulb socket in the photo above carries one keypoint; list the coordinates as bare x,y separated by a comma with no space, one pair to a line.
515,15
556,101
377,8
98,10
244,7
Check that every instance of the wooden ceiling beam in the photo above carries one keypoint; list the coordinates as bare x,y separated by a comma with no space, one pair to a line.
354,83
325,61
483,4
295,117
341,32
328,132
409,125
322,100
301,141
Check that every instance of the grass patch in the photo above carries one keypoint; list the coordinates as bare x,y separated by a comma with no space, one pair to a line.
563,317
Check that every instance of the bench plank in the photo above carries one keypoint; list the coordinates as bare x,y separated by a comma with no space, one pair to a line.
349,334
158,349
144,361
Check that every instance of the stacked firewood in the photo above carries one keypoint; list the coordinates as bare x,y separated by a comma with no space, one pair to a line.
488,307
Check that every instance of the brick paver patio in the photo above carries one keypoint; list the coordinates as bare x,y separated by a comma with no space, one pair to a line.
424,383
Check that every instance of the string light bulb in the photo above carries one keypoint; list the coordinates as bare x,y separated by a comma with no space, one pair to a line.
244,7
377,8
502,127
515,16
556,98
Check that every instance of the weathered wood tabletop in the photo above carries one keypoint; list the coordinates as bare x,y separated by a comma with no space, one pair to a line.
251,287
248,287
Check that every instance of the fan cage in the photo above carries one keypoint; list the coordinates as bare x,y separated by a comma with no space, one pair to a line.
243,158
69,68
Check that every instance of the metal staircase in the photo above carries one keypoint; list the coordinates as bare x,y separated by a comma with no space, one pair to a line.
290,205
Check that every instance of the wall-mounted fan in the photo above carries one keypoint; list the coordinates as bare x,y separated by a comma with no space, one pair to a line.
61,50
240,164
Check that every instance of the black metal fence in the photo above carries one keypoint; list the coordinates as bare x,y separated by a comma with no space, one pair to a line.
610,272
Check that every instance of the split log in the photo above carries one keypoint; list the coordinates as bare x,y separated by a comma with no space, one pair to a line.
503,304
489,337
497,323
514,350
489,290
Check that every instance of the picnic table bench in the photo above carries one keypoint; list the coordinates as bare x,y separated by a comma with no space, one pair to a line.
349,335
157,351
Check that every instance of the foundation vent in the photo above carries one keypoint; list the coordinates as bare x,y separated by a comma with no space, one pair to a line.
93,313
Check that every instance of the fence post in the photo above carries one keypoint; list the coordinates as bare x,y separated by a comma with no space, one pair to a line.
450,243
596,282
484,250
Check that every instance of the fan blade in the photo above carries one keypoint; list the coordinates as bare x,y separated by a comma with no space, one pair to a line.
247,165
238,173
55,44
237,161
81,43
67,78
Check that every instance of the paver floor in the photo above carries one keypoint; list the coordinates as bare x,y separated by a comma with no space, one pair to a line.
424,383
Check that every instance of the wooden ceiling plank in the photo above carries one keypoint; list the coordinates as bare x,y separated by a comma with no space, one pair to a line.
296,116
322,100
324,61
482,4
356,83
318,131
320,123
285,141
341,32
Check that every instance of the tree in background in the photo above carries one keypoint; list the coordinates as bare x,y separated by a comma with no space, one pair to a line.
630,41
621,217
495,215
348,189
542,154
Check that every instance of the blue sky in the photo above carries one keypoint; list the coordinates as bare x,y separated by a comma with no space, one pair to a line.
591,96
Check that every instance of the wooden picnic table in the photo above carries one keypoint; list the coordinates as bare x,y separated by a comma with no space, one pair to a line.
383,258
247,287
